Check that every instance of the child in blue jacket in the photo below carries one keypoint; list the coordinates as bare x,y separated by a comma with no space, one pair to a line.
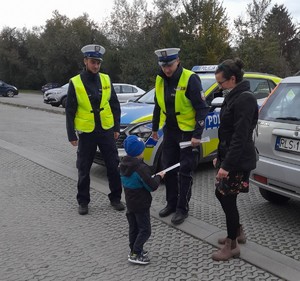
138,182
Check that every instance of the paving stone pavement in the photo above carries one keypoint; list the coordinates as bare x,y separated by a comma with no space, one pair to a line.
43,237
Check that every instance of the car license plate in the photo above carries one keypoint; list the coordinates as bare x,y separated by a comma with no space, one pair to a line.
287,144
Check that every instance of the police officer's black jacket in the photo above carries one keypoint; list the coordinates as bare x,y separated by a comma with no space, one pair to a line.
238,118
193,93
138,183
93,88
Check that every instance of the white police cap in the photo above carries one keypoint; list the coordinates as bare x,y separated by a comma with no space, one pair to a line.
93,51
167,56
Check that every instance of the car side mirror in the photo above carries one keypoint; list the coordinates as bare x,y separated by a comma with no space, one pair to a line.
217,102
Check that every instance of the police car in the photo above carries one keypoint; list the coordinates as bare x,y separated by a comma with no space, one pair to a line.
136,116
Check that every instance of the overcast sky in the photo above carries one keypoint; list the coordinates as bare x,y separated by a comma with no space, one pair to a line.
29,13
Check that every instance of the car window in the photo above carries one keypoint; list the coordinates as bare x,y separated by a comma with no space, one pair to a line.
127,89
283,105
147,98
117,89
272,85
259,87
207,82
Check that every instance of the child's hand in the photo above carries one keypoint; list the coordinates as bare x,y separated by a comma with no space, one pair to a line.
215,162
161,174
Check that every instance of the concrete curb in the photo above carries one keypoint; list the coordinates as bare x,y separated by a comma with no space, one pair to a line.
51,110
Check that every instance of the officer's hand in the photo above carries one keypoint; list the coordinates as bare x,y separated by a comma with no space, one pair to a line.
154,136
195,142
74,143
116,135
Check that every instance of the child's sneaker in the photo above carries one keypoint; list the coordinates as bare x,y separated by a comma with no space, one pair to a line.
139,259
144,254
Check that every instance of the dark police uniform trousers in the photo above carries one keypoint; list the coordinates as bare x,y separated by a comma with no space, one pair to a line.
178,181
87,147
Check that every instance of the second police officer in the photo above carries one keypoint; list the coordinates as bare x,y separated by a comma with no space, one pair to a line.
180,108
93,117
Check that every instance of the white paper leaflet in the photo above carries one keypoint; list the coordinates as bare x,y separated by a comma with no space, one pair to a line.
185,144
168,169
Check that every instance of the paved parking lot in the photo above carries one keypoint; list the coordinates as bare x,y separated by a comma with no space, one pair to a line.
44,238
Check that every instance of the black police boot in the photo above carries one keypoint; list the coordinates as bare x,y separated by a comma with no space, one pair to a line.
83,209
117,205
179,217
168,210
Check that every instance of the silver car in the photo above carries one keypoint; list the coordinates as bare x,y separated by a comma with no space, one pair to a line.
126,92
57,96
278,142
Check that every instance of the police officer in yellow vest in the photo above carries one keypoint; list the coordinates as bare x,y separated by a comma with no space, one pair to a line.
93,119
180,108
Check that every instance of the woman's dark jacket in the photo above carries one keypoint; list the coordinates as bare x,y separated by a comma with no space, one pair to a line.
138,183
238,118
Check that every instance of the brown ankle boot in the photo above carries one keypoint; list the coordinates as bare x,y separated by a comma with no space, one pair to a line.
241,237
231,249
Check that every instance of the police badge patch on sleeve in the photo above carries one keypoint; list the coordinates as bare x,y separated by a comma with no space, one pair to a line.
201,123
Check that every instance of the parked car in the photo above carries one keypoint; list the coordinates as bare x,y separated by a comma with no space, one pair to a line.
57,96
49,86
261,84
136,118
278,143
7,90
126,92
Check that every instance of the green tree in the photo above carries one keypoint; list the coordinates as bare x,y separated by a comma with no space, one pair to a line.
130,58
32,75
62,40
268,41
279,28
204,32
16,62
9,54
251,47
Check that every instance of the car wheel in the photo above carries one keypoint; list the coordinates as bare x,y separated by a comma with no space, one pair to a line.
273,197
55,104
10,93
64,102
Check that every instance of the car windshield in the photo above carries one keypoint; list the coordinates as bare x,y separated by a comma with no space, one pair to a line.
283,105
147,97
207,82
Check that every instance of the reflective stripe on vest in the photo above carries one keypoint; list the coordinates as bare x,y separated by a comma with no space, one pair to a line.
185,113
84,117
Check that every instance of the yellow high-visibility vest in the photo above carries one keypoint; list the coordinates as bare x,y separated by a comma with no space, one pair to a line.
84,117
185,113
